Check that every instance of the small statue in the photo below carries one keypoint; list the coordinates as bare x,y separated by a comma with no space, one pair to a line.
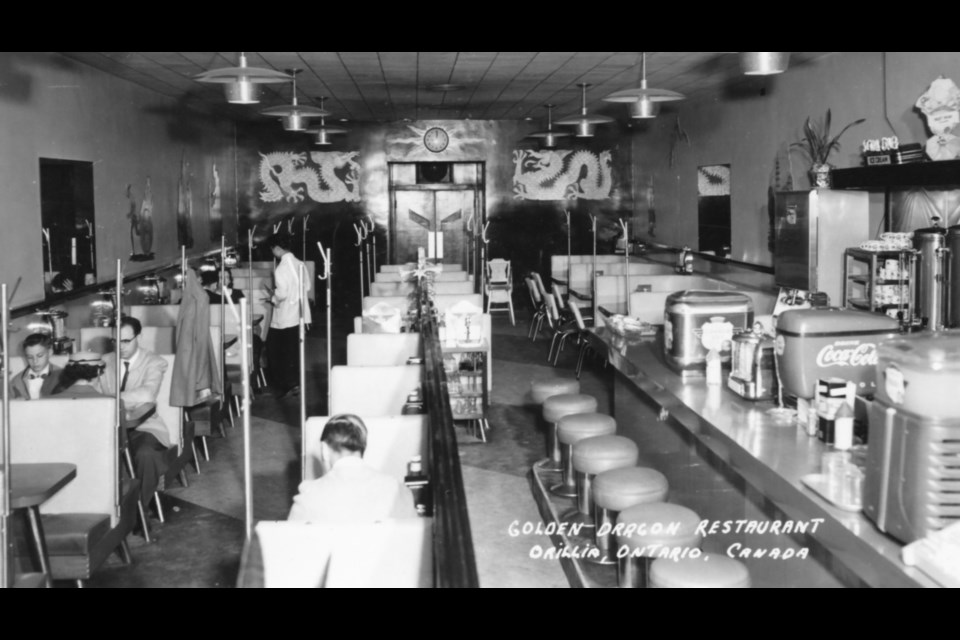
941,107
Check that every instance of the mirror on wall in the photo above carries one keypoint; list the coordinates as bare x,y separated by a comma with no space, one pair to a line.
713,209
67,218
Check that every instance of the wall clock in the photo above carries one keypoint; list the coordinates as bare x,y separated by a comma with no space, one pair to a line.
436,139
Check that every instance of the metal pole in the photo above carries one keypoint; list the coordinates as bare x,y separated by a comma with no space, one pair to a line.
249,315
626,264
303,368
118,316
247,468
567,212
593,279
325,275
368,232
303,239
5,471
223,308
360,246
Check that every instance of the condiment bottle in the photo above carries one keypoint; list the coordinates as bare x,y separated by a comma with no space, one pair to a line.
714,367
843,427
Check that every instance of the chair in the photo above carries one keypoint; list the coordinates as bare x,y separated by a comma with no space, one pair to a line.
538,307
499,285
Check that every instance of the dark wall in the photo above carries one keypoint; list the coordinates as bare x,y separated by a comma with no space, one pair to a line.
524,231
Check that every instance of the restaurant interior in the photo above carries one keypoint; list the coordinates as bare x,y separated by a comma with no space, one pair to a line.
616,319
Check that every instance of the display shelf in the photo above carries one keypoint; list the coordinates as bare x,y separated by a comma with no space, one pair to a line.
466,370
943,173
865,289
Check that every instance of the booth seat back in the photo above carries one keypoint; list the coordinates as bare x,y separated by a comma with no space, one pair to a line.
372,391
172,416
391,442
382,349
232,328
442,287
389,554
264,276
442,301
18,363
558,264
241,281
262,265
79,431
160,340
155,315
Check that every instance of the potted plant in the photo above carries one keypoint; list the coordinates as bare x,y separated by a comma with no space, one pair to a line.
818,145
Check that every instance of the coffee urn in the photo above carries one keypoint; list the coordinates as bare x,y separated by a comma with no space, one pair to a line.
930,243
952,290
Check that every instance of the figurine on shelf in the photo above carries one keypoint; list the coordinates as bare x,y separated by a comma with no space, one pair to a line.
941,107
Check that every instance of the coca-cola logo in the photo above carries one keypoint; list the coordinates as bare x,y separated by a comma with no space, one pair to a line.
862,354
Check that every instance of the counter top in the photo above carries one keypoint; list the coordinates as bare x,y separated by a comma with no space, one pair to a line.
768,454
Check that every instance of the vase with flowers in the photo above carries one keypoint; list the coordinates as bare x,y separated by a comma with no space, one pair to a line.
818,145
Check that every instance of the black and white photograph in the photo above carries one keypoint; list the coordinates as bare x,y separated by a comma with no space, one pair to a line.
422,319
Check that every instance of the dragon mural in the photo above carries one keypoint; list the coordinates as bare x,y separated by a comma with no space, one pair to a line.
562,175
333,176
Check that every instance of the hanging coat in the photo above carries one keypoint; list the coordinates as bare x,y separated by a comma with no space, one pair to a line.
195,368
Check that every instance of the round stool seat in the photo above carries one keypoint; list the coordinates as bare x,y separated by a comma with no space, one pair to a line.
601,453
620,489
540,390
644,527
577,426
708,571
564,404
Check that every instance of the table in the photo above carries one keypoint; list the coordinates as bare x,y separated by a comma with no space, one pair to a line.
30,486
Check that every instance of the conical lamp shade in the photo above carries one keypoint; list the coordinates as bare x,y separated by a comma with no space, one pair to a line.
764,63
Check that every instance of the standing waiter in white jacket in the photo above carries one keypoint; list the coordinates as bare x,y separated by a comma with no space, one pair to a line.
283,353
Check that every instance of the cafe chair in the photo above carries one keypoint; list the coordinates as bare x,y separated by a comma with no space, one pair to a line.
499,285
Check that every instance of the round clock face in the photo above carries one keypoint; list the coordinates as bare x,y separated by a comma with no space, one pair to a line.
436,139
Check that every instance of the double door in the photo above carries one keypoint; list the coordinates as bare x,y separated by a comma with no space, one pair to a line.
434,218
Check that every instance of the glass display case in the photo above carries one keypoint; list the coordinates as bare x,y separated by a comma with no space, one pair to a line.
882,282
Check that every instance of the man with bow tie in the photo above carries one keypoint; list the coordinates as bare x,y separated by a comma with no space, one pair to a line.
40,377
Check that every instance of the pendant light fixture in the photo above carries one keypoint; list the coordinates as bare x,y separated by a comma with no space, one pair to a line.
764,63
644,102
585,124
293,116
548,136
241,84
323,132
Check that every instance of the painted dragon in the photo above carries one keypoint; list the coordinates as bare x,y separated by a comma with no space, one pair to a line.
562,175
286,175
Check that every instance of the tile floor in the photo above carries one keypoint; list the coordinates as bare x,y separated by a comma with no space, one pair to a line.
201,542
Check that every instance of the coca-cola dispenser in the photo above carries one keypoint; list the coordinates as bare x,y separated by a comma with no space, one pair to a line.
830,343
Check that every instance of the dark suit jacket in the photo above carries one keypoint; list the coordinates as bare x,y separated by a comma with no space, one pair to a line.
18,383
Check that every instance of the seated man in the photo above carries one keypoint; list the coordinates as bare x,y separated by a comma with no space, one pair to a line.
140,383
350,491
40,377
80,375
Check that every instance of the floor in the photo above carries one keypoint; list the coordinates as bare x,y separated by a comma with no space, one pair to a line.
201,542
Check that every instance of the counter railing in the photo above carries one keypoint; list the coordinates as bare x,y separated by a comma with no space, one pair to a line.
453,555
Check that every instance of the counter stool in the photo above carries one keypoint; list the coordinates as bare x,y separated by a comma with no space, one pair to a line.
644,531
570,430
709,571
595,455
540,390
616,490
554,408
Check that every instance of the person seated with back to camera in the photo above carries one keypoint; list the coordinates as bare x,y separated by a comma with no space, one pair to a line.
350,490
79,376
140,382
210,281
40,377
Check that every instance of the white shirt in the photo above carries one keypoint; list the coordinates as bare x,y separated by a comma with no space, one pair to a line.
352,491
286,294
34,384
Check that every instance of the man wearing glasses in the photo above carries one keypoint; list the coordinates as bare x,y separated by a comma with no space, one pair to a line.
140,378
